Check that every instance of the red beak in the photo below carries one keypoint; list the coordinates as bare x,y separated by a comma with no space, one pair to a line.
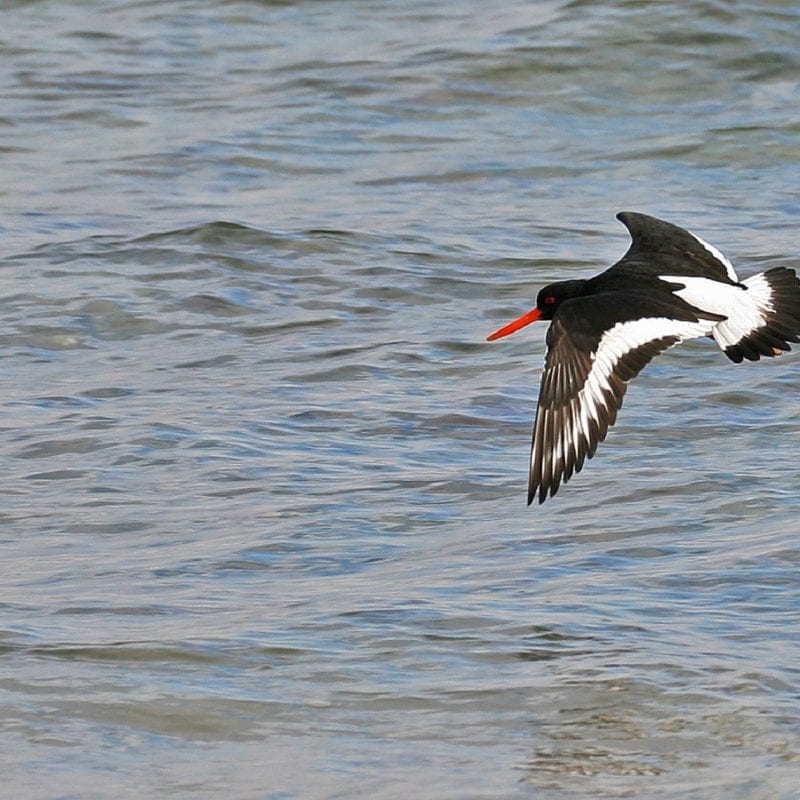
525,319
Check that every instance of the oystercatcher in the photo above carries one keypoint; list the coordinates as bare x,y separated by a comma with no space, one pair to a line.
670,286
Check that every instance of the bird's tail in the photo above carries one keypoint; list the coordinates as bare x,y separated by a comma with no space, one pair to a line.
772,321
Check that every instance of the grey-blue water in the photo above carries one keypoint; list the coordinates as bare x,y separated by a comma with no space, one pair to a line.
264,531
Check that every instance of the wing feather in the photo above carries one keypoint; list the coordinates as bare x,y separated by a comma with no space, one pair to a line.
583,385
658,243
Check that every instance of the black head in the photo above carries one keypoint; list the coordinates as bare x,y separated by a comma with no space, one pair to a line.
551,297
547,303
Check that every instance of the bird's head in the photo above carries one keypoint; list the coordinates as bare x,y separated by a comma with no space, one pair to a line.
547,303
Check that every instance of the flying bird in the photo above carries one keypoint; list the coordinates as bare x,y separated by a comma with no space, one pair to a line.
669,287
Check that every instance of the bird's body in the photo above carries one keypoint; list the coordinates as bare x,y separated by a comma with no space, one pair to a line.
670,286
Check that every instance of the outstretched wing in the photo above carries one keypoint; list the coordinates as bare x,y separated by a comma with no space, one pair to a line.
588,365
667,249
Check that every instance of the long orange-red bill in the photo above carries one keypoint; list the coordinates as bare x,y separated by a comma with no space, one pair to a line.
525,319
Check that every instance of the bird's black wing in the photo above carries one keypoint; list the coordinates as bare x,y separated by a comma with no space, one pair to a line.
660,247
595,347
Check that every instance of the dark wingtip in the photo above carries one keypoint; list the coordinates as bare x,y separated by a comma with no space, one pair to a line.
625,217
543,494
635,221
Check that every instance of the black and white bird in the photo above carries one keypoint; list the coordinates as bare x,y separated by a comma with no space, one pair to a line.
669,287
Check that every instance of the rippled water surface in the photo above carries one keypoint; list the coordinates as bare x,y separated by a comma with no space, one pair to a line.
264,530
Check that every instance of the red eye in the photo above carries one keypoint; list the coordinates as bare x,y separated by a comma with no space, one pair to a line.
549,300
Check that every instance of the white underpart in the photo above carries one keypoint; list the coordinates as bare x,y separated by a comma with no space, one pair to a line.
615,343
746,310
720,256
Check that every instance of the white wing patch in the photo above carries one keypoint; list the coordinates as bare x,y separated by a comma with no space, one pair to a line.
746,310
720,256
627,336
